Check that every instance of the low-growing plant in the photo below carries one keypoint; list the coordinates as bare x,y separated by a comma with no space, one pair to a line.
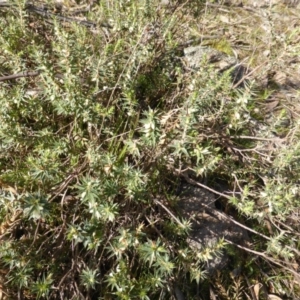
99,126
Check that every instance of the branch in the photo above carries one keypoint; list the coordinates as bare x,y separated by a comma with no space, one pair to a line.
215,211
193,182
169,212
265,257
19,75
44,13
256,138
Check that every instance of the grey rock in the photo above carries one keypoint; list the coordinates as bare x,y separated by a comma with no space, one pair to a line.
221,62
195,55
208,227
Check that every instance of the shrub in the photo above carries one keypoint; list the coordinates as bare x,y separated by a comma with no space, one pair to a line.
94,146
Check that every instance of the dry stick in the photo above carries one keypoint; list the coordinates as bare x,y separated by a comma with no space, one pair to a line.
265,257
290,230
246,137
19,75
246,76
253,251
245,248
169,212
199,40
65,182
157,231
251,288
44,13
67,273
193,182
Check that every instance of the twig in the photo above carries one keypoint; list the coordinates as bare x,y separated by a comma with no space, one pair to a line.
199,40
246,76
65,183
159,233
169,212
19,75
265,257
64,277
193,182
251,288
43,12
246,137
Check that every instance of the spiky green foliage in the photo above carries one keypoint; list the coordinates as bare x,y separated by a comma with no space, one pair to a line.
100,135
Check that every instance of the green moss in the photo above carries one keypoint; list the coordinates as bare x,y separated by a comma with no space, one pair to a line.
222,45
